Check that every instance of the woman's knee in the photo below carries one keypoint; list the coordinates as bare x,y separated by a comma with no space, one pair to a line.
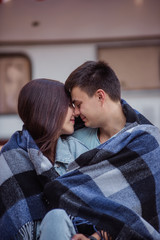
55,215
58,224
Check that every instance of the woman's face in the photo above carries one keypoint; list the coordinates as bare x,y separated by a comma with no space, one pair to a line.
68,125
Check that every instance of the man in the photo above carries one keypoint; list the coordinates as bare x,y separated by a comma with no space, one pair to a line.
95,91
115,185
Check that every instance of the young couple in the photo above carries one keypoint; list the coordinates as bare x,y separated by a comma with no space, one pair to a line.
123,157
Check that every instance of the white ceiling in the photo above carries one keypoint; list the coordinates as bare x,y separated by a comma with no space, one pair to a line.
78,20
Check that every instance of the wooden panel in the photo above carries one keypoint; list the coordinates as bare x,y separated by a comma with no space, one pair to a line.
136,67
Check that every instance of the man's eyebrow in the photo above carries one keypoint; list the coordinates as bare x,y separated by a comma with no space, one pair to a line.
76,101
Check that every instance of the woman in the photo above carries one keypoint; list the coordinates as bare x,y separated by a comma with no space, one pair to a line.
29,160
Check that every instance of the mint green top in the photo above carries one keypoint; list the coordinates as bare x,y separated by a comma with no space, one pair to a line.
88,136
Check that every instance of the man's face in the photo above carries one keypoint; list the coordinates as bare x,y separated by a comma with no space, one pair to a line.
88,108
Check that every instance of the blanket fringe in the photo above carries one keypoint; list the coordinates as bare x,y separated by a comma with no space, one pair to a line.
28,231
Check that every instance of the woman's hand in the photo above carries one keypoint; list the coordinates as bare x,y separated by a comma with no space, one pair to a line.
79,237
82,237
95,235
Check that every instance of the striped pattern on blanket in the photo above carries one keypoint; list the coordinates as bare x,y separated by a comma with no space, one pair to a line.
117,185
23,173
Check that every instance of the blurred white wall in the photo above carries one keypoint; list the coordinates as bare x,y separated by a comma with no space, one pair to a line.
54,61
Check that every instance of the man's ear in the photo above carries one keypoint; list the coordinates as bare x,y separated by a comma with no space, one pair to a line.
101,95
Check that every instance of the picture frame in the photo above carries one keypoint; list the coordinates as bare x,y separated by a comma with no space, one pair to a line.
135,63
15,72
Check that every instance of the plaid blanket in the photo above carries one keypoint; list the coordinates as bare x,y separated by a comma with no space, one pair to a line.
116,186
22,179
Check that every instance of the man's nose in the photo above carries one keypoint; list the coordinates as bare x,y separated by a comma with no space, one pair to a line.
76,112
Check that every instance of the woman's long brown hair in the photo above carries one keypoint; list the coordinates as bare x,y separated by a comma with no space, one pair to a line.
42,106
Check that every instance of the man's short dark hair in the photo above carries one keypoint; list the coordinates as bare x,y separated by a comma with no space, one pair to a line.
91,76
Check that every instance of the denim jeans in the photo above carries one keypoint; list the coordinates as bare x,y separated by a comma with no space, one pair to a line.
56,225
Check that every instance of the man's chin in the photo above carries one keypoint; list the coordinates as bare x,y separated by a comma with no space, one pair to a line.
86,124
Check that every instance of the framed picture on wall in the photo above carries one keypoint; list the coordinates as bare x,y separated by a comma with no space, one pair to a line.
15,72
136,66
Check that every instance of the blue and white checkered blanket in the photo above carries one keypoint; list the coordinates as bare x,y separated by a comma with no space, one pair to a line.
24,170
116,186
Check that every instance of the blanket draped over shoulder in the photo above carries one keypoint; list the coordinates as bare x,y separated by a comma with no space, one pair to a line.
22,179
117,185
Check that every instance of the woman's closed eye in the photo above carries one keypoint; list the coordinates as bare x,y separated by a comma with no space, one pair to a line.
71,105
